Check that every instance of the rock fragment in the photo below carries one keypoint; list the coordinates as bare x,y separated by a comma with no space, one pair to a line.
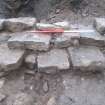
2,24
92,39
99,24
4,37
45,86
10,59
31,41
43,26
87,58
66,40
56,59
30,61
19,24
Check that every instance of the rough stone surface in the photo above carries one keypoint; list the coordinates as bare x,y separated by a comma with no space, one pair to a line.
1,24
92,38
64,24
4,37
52,101
99,24
2,97
19,24
43,26
10,59
32,41
52,60
45,86
87,58
30,61
64,100
20,99
66,40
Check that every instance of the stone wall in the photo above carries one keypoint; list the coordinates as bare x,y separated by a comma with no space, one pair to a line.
21,43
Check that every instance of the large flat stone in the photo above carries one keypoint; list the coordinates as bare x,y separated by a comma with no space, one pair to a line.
87,58
10,59
92,38
19,24
56,59
66,39
99,24
32,41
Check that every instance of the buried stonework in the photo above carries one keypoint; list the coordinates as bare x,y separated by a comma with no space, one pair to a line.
76,50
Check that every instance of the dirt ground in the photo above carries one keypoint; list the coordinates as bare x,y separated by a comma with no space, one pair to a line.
69,88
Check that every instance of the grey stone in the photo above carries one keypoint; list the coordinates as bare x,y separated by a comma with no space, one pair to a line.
52,101
2,96
32,41
63,24
2,81
2,24
56,59
43,26
20,99
30,61
92,39
87,58
4,37
66,40
99,24
45,86
10,59
19,24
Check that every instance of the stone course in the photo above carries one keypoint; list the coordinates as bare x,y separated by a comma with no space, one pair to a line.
31,41
76,50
